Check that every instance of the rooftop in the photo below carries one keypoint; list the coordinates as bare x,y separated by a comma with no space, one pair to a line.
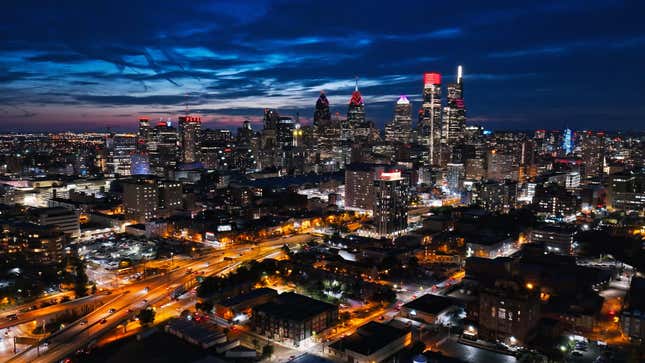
369,338
295,307
431,304
232,301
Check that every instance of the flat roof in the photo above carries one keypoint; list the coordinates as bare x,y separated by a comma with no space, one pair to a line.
232,301
432,304
369,338
292,306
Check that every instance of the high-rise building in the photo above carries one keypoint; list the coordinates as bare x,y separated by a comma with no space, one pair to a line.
429,128
390,203
148,198
455,177
322,115
567,144
454,114
120,148
356,108
400,129
164,149
144,134
500,166
359,185
190,137
592,152
65,219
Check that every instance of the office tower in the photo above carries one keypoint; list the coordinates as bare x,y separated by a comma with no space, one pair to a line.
567,143
144,134
455,177
148,198
359,185
189,136
322,115
268,147
592,152
164,148
390,203
216,149
65,219
120,148
498,196
38,244
216,136
555,201
626,191
475,169
429,128
454,114
356,108
400,129
284,132
500,166
245,152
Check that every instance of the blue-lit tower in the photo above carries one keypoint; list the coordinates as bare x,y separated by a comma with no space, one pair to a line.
567,144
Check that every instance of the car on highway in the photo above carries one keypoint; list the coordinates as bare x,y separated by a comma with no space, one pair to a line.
83,322
12,317
103,321
112,311
146,290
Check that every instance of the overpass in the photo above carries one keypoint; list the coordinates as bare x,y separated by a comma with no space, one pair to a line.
128,299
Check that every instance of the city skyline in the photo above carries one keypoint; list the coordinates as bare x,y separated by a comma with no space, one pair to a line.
65,68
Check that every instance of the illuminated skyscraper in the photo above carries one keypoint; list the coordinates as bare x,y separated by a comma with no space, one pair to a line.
430,117
400,129
190,133
567,145
144,134
356,109
454,117
120,148
164,148
390,203
322,115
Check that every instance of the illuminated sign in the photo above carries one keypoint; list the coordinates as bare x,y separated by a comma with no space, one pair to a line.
431,78
224,228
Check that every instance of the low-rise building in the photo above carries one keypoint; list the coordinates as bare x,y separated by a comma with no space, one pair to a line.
293,318
489,246
244,303
428,308
508,311
372,342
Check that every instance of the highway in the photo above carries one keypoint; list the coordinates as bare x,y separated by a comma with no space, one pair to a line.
129,298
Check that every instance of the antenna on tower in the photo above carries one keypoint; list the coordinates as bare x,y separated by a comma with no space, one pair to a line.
459,74
356,80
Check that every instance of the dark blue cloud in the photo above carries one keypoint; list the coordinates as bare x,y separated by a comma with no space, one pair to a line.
547,63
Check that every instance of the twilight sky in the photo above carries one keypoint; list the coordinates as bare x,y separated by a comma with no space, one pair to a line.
83,65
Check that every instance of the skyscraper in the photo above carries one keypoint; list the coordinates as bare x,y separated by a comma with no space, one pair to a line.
567,144
322,115
356,109
400,129
454,116
390,203
190,133
164,148
144,134
120,148
430,116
